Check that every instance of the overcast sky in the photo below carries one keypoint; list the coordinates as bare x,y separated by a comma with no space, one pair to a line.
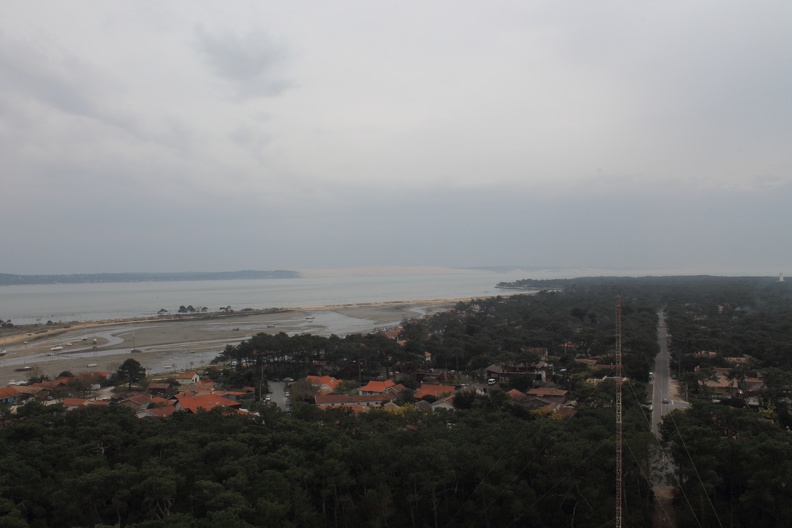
171,136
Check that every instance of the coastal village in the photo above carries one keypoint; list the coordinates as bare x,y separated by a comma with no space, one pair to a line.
189,391
435,388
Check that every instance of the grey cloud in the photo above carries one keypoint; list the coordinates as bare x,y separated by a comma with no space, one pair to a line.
61,82
58,81
253,63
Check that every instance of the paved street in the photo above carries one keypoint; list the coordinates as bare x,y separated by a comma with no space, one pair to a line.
665,396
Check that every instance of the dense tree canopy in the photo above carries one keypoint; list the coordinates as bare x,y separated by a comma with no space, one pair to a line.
479,468
488,463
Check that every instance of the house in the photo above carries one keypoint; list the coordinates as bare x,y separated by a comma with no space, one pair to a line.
376,387
187,378
517,396
51,384
10,395
751,386
27,392
548,393
381,387
94,376
436,391
137,402
423,405
535,403
206,402
204,385
344,400
502,372
720,386
157,412
74,403
446,403
434,375
159,388
325,383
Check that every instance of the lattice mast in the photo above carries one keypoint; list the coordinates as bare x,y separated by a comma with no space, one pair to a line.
618,414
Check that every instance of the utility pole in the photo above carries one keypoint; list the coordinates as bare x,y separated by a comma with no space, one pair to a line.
618,414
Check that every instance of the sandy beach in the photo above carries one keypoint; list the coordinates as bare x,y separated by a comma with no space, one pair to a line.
189,343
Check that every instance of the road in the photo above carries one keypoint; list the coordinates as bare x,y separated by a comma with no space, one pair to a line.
664,394
277,394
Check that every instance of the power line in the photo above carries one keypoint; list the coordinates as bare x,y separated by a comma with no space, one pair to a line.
618,414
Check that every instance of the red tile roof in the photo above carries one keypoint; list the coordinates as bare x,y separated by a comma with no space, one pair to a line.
54,384
74,402
433,390
140,399
329,381
547,392
377,386
161,412
8,392
206,402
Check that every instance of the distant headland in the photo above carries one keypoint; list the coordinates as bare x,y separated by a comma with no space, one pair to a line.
7,279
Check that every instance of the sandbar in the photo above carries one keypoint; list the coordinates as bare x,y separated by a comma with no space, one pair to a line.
172,343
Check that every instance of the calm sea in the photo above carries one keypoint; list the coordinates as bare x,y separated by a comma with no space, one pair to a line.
91,302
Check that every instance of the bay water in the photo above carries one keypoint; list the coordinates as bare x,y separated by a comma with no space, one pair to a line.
39,303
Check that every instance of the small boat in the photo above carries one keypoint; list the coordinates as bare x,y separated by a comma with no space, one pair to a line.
2,351
91,365
56,348
68,344
23,369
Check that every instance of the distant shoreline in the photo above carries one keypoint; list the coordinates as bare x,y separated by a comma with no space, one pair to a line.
10,279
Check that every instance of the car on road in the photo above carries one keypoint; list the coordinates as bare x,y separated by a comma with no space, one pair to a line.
665,400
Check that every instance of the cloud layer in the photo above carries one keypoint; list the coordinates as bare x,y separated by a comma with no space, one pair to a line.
191,135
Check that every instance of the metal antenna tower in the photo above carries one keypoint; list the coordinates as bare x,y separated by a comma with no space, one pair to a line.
618,414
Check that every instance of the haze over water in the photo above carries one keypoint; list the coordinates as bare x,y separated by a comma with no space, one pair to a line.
26,304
